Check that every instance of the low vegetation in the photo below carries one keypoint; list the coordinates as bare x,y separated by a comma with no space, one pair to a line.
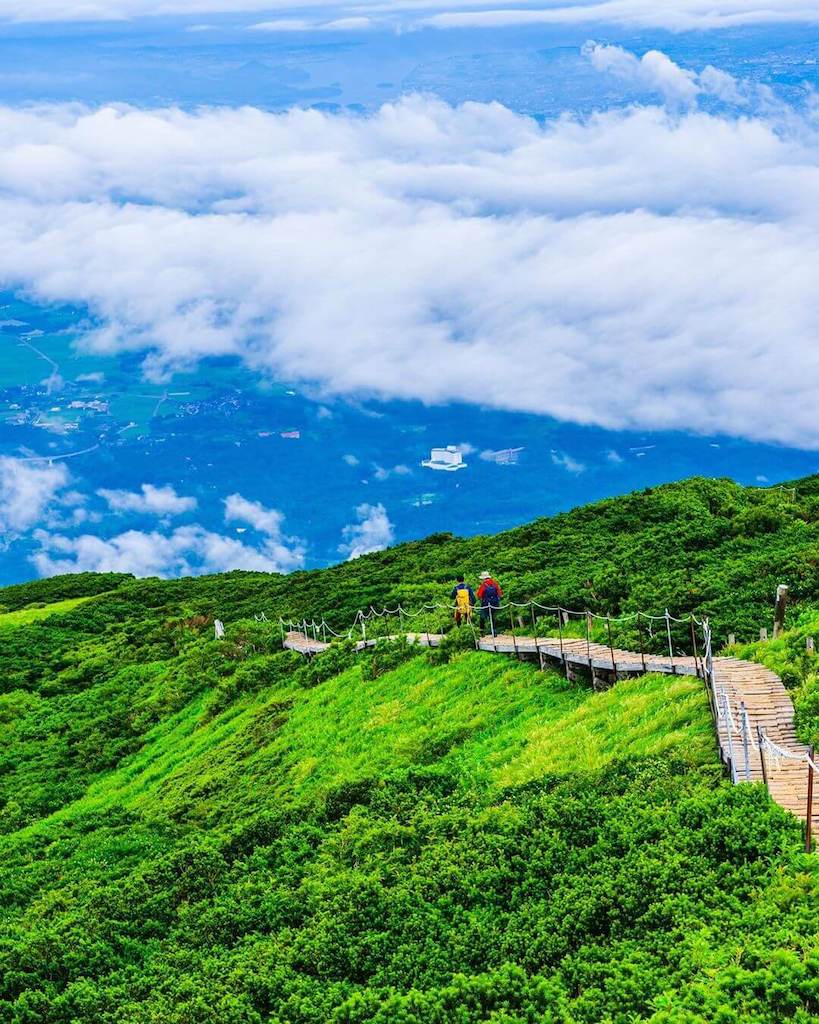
196,831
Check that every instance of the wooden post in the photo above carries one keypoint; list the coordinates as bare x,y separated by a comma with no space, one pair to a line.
694,645
560,624
809,819
588,638
810,645
670,644
611,646
763,634
732,639
779,609
760,738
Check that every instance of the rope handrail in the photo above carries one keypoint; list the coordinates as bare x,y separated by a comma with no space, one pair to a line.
373,612
563,615
493,613
778,752
725,684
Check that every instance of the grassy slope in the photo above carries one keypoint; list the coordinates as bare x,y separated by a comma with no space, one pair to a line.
201,832
27,615
494,723
459,840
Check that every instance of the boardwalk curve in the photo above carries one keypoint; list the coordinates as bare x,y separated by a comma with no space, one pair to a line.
752,711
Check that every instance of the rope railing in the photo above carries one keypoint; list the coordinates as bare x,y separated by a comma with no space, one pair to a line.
771,754
587,632
777,753
595,631
509,618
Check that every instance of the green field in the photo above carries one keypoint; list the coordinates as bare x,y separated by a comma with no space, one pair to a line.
27,615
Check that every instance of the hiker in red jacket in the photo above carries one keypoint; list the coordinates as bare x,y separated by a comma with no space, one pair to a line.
489,594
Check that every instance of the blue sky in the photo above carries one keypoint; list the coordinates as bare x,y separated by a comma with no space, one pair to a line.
259,259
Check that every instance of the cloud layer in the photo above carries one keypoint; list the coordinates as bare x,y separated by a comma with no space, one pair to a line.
34,500
645,268
677,15
185,551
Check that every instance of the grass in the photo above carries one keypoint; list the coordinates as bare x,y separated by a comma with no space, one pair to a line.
26,615
495,721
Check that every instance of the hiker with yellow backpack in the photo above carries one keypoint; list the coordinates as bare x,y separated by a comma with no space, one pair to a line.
464,597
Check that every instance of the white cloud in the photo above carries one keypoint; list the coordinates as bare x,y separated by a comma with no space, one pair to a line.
677,15
654,71
351,460
615,458
351,24
282,25
188,550
725,87
119,10
149,500
383,473
27,490
372,532
641,269
265,520
566,462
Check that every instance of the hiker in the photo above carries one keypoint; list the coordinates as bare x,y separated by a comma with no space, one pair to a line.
464,597
489,594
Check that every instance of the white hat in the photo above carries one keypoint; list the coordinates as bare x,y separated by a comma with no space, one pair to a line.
486,576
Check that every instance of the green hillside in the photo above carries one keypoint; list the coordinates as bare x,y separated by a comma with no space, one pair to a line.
199,832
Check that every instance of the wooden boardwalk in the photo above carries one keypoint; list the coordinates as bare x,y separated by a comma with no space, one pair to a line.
768,705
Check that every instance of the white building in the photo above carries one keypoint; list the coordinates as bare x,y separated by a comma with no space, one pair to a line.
448,459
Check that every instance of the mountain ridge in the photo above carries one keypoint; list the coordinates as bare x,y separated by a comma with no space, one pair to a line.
202,831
